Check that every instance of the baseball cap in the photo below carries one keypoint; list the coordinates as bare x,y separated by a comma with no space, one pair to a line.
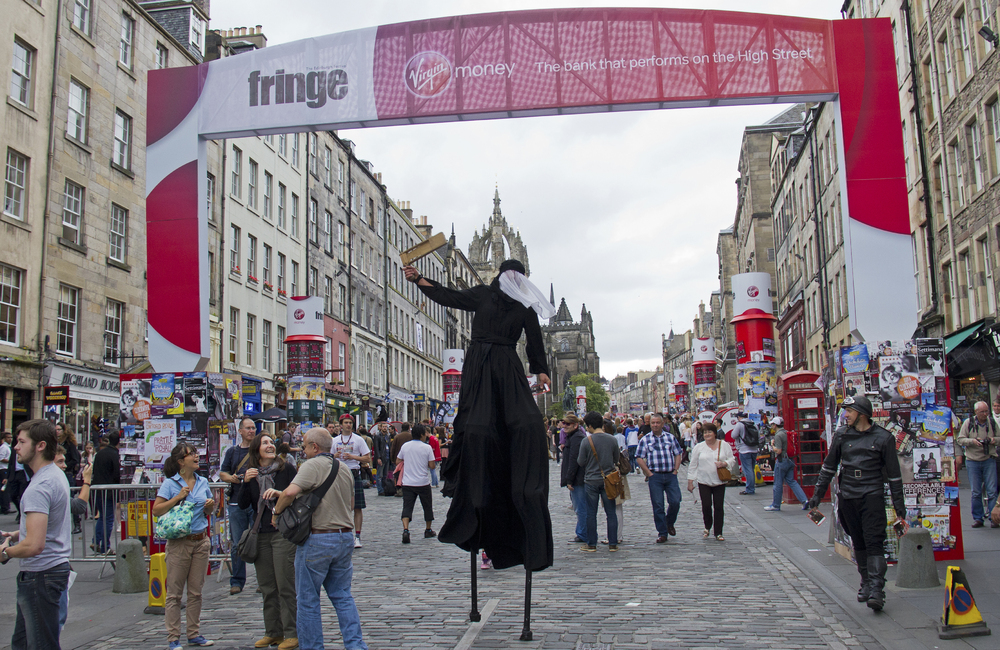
778,421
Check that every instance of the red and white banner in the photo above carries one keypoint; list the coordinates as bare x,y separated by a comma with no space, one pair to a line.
521,64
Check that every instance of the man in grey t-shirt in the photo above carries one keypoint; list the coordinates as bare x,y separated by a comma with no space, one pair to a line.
607,453
42,544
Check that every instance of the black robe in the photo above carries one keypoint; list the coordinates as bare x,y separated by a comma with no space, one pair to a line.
497,471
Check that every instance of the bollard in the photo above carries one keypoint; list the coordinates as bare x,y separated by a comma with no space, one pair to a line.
130,568
916,569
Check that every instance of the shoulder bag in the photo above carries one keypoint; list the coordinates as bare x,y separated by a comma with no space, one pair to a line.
295,521
176,522
624,464
724,474
246,548
612,480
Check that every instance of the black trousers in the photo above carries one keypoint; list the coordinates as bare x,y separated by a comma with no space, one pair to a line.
865,521
712,496
410,494
4,497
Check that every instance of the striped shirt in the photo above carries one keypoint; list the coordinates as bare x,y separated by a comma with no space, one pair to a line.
660,451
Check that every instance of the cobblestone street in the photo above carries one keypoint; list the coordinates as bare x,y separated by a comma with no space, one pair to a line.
689,593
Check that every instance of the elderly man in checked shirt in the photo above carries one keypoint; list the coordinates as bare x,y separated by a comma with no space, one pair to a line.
659,455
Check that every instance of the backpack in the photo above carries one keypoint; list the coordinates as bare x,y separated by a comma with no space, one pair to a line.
751,437
295,521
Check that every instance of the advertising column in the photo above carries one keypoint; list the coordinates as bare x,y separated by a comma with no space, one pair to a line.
756,370
703,368
451,382
681,390
305,346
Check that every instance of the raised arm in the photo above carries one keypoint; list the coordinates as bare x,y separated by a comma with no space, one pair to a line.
466,299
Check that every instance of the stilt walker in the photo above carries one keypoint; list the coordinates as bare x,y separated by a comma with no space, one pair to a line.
497,471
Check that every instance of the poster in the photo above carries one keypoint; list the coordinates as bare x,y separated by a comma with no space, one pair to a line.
854,359
160,438
196,392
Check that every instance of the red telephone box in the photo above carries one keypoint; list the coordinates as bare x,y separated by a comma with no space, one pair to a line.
801,404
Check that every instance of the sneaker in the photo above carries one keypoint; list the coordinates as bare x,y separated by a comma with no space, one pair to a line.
406,537
200,641
586,548
357,542
612,548
577,540
235,589
745,492
175,645
772,509
994,524
805,506
429,533
977,523
487,564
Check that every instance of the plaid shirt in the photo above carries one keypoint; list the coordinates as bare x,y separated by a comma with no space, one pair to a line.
659,451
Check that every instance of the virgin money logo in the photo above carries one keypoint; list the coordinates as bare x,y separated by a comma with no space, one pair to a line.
427,74
704,348
753,291
451,359
299,314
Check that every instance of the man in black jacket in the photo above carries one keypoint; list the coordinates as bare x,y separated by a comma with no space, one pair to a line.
107,471
866,453
572,474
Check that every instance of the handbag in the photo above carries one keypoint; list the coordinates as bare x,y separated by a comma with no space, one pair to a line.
176,522
624,464
612,480
398,471
246,548
295,521
724,474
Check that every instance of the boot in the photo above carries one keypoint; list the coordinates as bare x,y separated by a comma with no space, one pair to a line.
862,559
876,579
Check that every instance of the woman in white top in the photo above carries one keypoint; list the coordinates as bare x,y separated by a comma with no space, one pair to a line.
706,459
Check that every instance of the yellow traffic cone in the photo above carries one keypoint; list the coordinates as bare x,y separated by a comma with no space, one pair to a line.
157,583
961,617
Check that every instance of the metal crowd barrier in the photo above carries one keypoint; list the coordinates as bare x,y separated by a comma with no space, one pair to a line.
131,507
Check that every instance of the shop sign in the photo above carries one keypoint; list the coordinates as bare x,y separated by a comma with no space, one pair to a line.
83,384
419,397
56,395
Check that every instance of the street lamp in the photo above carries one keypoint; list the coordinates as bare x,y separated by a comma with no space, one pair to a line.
989,35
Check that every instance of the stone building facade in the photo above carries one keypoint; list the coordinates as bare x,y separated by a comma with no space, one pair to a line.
571,349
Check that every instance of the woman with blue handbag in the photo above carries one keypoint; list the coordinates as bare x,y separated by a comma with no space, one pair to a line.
182,504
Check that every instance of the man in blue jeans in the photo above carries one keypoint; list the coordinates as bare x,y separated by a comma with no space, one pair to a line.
324,561
107,471
660,456
978,438
233,468
572,474
784,469
748,454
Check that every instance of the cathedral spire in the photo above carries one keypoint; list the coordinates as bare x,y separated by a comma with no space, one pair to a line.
552,295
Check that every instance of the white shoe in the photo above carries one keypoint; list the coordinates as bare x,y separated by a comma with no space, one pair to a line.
357,542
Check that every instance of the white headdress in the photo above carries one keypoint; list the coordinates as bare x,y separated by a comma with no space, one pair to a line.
516,286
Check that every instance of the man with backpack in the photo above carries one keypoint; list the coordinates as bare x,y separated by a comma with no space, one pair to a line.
324,560
747,440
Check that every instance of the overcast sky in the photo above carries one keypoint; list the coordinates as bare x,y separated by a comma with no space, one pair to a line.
619,211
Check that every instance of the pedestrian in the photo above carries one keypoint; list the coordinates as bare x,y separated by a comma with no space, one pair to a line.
366,467
598,456
746,446
5,452
67,439
626,494
107,471
42,541
78,506
707,458
632,440
646,425
435,442
353,450
187,557
17,481
572,474
660,457
418,461
233,471
398,441
866,456
784,469
382,443
324,559
978,438
88,453
275,563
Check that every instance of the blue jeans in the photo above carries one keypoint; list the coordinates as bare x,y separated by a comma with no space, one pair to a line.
38,594
982,478
434,477
105,506
239,521
747,463
593,493
325,561
631,456
578,495
379,476
784,472
661,483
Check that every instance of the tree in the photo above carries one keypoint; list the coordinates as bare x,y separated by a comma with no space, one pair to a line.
597,397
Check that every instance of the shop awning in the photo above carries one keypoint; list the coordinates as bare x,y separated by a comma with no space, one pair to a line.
956,339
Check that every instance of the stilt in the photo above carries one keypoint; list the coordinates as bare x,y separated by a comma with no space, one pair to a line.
474,615
526,631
